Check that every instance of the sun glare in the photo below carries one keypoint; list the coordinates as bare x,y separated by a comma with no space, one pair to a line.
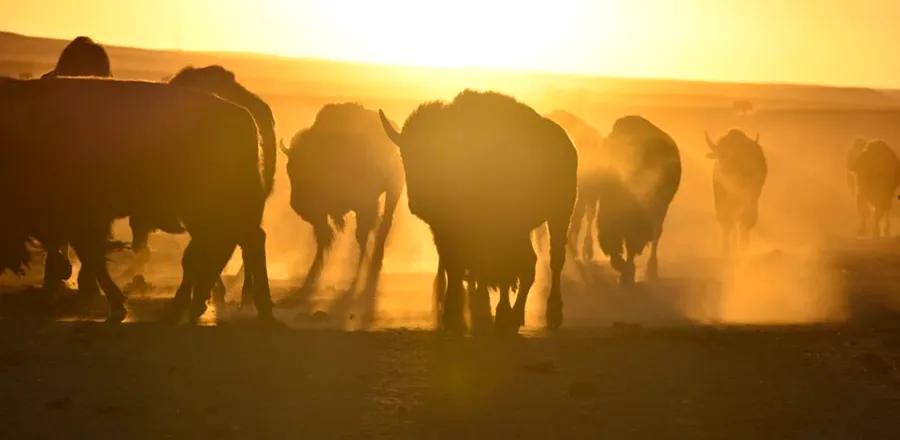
508,34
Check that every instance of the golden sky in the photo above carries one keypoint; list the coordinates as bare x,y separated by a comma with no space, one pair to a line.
810,41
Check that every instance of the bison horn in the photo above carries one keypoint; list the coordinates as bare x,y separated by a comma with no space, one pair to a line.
284,149
389,128
712,145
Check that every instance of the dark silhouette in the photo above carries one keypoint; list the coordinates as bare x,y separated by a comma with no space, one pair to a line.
222,83
591,167
484,171
645,171
877,172
343,163
738,176
82,57
859,144
132,149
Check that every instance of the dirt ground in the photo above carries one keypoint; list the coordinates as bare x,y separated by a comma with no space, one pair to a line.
63,374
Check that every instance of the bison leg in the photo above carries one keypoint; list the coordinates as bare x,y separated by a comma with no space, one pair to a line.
140,235
57,268
91,249
256,268
526,280
387,221
653,262
554,313
211,258
587,249
578,217
628,266
365,223
440,288
452,308
503,313
479,306
862,208
324,236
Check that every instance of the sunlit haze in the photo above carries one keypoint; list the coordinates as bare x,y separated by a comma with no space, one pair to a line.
806,41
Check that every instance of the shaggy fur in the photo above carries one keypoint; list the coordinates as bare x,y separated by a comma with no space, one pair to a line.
645,171
877,171
484,171
133,148
591,167
739,174
222,83
343,163
82,57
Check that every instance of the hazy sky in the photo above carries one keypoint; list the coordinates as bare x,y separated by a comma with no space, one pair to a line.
812,41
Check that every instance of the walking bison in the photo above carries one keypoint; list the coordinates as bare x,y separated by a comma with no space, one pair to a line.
344,163
220,82
82,57
483,171
132,149
591,167
739,174
644,175
877,174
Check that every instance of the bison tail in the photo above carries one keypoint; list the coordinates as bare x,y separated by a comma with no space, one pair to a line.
267,135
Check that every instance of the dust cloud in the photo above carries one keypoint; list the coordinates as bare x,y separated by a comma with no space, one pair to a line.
788,274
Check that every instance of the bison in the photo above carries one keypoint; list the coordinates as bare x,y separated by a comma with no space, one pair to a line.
643,177
483,171
133,149
344,163
739,174
82,57
221,82
591,166
877,174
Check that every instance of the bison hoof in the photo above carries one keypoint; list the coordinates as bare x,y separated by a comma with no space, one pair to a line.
116,314
198,308
554,313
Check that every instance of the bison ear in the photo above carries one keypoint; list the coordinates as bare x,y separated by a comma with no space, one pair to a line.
389,128
709,142
284,149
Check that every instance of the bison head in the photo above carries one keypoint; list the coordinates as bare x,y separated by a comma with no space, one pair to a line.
717,152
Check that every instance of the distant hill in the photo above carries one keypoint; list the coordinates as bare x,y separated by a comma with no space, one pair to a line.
24,55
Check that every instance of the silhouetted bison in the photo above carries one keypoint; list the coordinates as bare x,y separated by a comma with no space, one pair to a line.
343,163
591,166
222,83
81,57
484,171
645,171
877,171
132,148
738,176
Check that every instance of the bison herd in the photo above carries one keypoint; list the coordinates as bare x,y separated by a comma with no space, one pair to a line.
197,154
